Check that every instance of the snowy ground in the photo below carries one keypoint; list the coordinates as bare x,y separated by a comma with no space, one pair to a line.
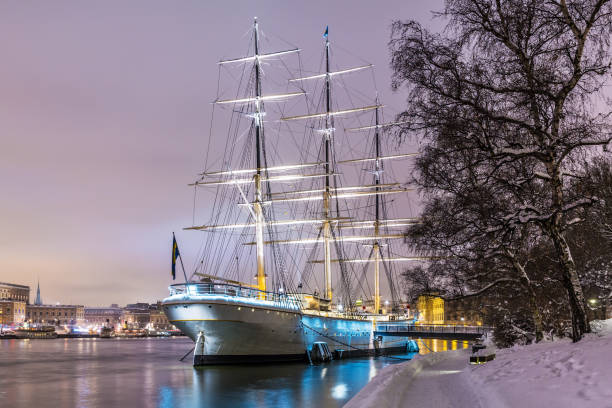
546,375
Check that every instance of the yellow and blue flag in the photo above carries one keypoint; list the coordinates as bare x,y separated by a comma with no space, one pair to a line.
326,32
175,254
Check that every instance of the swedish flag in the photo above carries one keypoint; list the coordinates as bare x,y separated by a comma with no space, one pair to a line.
175,254
326,32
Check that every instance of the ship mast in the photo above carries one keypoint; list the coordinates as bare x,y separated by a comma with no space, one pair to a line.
328,132
377,218
261,173
257,206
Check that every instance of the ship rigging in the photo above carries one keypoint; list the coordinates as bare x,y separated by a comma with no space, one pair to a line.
248,191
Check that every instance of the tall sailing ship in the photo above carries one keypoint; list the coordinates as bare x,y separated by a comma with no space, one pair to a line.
283,215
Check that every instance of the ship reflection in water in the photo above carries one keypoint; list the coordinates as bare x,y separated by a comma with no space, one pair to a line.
146,372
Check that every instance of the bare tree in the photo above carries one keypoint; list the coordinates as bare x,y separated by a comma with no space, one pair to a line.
513,80
597,181
591,238
482,252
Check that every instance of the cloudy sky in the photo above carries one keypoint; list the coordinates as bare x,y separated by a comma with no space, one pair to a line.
104,119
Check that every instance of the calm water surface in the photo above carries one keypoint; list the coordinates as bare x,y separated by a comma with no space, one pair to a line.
146,373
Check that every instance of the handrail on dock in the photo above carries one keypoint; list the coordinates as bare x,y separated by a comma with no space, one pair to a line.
432,328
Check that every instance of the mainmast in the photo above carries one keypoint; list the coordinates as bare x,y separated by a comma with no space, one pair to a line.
257,206
328,132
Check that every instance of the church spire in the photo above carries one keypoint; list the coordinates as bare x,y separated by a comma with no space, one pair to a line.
38,300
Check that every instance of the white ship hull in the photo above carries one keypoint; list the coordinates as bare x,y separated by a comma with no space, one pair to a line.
243,330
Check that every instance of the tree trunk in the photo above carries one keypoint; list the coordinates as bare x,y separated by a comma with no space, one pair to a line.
536,315
580,321
533,304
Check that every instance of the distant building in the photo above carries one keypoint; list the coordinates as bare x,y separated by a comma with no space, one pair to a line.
11,291
100,316
431,308
469,311
55,314
135,319
160,321
12,312
144,315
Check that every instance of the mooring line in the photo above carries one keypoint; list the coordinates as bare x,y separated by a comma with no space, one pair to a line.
188,353
334,340
356,348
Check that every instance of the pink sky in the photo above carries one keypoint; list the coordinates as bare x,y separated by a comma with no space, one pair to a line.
104,119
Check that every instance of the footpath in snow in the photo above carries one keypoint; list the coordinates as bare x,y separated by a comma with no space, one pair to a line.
555,374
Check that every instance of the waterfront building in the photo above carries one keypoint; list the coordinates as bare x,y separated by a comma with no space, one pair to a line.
101,316
55,314
136,316
159,320
145,315
431,308
11,291
469,311
12,312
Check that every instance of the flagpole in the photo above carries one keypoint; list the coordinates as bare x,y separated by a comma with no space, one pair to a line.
183,267
180,257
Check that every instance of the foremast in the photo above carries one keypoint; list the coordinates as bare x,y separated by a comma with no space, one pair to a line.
261,170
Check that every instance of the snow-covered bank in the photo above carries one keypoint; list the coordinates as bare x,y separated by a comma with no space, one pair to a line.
557,374
422,382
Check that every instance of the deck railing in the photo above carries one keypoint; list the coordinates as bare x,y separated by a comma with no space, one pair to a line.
227,289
